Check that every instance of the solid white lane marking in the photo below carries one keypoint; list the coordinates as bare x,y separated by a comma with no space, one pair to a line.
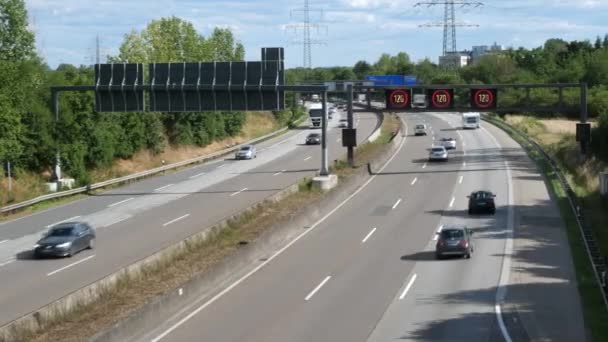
414,181
175,220
409,285
307,158
436,236
164,187
460,179
70,265
121,202
3,241
501,291
368,235
197,175
424,166
280,251
7,262
278,173
238,192
317,288
66,220
221,166
452,201
396,203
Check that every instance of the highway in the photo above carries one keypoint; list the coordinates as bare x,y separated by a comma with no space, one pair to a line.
136,220
367,271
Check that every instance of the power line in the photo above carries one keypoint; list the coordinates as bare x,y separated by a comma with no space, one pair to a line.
449,22
305,26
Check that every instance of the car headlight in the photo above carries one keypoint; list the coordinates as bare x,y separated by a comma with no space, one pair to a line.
36,245
64,245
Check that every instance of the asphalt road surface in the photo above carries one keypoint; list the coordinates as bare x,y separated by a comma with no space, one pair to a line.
137,220
368,272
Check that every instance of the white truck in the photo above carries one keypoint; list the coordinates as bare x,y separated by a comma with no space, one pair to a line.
419,101
471,120
361,97
315,112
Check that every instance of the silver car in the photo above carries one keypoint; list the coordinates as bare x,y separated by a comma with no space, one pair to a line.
438,153
448,143
343,123
246,152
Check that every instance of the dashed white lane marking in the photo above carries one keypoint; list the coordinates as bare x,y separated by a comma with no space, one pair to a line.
221,166
278,173
4,263
414,181
121,202
212,300
317,288
197,175
116,222
66,220
436,235
460,179
464,164
397,203
368,235
307,158
452,201
424,166
338,140
409,285
70,265
175,220
3,241
164,187
238,192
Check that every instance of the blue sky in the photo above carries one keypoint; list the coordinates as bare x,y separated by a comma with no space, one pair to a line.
353,29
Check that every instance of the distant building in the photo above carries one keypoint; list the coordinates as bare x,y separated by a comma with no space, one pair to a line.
455,60
481,50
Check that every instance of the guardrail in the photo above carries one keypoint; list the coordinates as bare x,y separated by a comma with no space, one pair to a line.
135,176
598,263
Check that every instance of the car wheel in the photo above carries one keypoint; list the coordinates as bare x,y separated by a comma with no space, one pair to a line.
493,211
467,255
470,211
438,256
91,244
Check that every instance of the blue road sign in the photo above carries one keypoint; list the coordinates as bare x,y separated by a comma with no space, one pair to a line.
392,80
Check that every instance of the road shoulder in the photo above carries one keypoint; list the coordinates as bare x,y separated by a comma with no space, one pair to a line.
542,301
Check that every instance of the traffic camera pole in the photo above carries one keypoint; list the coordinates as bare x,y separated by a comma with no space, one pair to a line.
324,155
351,123
55,100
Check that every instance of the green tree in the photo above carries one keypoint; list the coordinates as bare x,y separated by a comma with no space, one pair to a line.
362,69
16,40
598,43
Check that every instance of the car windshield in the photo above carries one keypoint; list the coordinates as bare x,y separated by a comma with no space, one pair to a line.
245,148
63,231
482,195
471,120
452,234
419,126
438,149
314,136
447,139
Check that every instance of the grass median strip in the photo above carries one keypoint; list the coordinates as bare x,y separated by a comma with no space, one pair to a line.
594,310
132,292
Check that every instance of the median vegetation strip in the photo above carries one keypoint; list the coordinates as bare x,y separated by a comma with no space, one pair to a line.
594,309
132,292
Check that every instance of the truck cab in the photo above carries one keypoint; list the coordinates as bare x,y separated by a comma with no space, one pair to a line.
419,101
471,120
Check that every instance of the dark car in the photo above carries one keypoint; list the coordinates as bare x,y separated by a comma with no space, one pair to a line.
313,139
454,241
65,239
482,202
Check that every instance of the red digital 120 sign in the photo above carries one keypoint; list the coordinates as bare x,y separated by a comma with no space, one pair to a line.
398,98
440,98
483,98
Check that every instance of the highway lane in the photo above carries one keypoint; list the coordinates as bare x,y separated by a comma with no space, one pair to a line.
453,300
330,285
136,228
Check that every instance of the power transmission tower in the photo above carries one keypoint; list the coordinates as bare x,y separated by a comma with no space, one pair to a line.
306,26
449,23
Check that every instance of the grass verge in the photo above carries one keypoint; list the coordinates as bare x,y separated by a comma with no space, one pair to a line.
594,311
132,292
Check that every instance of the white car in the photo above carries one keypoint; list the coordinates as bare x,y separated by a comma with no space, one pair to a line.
343,123
438,153
448,143
246,152
420,129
